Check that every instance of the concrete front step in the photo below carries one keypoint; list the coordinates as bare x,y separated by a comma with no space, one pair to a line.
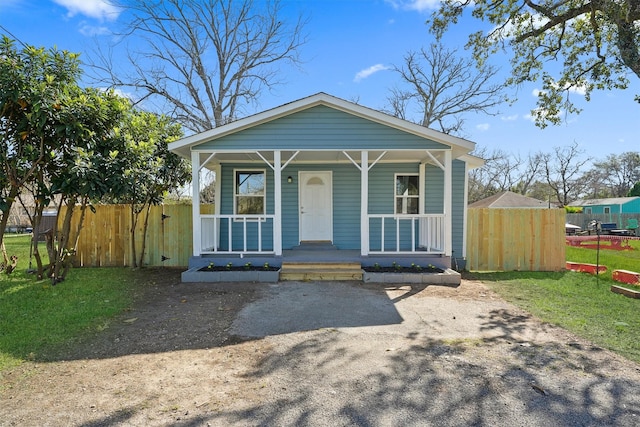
306,271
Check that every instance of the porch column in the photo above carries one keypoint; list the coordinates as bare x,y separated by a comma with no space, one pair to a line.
422,188
448,188
364,203
195,203
277,202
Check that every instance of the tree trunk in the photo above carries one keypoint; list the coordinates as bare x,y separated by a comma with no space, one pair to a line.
144,234
134,223
62,235
13,193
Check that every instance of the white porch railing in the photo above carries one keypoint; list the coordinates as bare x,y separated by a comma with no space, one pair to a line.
241,234
407,234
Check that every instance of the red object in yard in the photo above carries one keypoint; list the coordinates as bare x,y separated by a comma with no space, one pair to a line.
626,276
617,243
585,268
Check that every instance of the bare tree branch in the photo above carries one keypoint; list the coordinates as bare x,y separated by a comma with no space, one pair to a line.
442,87
204,61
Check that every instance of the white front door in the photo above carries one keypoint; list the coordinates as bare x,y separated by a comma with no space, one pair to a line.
316,210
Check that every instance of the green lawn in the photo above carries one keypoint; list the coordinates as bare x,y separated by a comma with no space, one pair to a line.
579,302
36,318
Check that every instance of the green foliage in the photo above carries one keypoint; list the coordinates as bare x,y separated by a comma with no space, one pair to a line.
573,209
635,190
596,44
151,170
34,86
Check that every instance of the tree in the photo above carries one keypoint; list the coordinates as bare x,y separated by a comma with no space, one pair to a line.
84,167
205,61
442,87
33,82
501,172
563,173
620,172
596,44
150,170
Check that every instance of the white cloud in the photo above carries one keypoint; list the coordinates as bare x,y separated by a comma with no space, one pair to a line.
483,127
510,118
99,9
367,72
92,30
417,5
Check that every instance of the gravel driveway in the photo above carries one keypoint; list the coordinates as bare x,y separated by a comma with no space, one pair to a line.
324,354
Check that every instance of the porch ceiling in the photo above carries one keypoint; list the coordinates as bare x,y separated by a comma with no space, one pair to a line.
322,156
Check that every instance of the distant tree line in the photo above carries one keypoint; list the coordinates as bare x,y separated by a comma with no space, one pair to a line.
562,176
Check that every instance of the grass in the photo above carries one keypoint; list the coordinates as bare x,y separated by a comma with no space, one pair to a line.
37,318
579,302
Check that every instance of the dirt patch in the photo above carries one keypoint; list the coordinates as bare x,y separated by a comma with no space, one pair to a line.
455,356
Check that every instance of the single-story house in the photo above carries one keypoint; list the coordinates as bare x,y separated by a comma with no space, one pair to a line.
325,172
509,199
612,205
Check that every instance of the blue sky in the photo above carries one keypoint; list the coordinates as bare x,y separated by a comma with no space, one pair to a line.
352,44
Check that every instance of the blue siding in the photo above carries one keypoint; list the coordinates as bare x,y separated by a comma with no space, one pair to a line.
632,206
458,209
226,208
346,203
322,128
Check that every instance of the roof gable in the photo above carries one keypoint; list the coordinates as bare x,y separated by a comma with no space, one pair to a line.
604,202
509,199
185,145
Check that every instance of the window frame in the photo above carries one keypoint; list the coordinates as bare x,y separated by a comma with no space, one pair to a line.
396,196
237,171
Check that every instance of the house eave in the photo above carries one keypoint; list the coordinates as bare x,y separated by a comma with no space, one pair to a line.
184,146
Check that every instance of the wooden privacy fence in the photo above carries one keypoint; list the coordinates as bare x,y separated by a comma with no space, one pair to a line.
105,239
515,239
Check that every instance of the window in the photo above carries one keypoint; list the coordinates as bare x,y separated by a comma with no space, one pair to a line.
607,209
407,194
249,192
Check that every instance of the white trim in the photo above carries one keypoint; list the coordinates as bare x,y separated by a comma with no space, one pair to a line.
235,195
422,188
195,203
377,160
182,146
395,196
277,202
364,203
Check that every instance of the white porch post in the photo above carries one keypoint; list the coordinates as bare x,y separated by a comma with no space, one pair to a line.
421,188
364,203
448,188
277,202
195,203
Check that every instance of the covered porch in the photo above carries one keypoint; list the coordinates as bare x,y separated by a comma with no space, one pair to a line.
369,223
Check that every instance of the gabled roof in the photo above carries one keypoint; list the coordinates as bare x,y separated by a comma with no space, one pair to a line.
183,146
607,201
509,199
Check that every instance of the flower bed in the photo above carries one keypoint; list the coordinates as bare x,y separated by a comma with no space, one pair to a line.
429,275
233,273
